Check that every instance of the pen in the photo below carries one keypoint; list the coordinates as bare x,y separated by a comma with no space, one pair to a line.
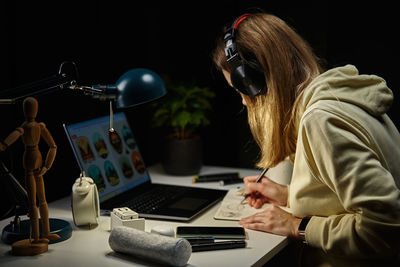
219,245
200,240
231,181
215,177
258,180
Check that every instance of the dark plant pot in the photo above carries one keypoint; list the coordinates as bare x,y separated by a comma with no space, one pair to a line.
182,156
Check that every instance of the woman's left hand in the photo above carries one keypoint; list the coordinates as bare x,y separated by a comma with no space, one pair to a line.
273,220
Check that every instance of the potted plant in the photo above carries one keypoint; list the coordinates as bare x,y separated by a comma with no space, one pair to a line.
182,112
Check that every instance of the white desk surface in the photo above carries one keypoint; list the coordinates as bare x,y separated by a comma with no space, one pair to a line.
90,247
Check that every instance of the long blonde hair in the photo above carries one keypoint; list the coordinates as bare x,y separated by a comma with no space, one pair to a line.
289,65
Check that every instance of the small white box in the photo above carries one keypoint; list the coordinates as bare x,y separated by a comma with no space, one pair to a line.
126,217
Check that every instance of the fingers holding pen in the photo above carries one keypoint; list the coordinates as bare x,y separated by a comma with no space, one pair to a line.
253,195
250,179
265,191
259,189
256,202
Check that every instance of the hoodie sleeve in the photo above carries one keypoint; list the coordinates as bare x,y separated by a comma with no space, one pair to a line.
342,156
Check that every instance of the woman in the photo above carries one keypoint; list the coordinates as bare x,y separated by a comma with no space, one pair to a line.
344,194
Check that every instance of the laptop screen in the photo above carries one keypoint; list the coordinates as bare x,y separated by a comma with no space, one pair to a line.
112,160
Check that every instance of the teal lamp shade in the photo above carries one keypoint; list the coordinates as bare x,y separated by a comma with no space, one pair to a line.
136,86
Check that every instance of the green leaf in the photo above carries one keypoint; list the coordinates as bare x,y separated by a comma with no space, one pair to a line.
183,119
176,106
185,108
161,112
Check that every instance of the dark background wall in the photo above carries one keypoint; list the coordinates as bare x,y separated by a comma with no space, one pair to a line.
107,38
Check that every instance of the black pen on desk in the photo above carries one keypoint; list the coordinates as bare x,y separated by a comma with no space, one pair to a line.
205,178
200,240
231,181
258,180
219,245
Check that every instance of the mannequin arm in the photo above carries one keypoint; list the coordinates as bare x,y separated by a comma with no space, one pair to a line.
51,154
11,138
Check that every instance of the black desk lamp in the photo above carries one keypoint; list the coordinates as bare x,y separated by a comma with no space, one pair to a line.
134,87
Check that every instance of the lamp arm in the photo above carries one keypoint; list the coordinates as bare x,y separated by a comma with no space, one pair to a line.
37,88
134,87
86,89
99,91
49,84
102,92
7,101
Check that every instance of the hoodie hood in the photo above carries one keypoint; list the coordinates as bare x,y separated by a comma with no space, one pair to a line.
345,84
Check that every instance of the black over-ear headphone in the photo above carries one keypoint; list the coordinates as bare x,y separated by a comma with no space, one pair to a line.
246,75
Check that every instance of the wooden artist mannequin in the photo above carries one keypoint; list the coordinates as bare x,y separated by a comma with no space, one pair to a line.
31,132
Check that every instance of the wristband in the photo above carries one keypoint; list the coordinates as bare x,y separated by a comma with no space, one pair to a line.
302,228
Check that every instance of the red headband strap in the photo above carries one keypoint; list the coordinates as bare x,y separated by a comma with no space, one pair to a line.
240,19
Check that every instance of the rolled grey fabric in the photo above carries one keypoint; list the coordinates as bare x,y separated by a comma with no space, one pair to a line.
163,249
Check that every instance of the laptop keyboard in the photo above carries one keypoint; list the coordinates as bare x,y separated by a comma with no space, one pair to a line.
152,200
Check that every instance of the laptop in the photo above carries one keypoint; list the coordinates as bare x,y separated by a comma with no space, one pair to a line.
114,162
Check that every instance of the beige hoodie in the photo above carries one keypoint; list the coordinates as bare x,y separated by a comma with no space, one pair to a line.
347,169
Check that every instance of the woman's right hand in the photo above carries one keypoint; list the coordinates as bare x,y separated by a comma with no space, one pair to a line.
265,191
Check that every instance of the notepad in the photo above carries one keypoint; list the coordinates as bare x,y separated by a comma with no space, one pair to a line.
232,208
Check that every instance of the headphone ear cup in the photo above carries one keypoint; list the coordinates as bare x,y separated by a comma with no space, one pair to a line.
248,80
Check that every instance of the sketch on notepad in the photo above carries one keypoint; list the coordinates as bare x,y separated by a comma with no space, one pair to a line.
232,208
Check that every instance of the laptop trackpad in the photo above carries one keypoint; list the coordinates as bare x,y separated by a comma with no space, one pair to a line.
187,203
182,209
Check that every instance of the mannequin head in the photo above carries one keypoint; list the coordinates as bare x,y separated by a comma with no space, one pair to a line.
30,107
